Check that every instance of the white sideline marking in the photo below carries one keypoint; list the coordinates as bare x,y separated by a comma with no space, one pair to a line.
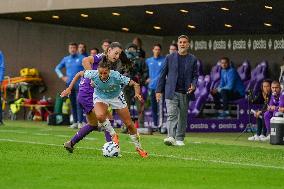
13,131
62,136
90,138
43,134
156,155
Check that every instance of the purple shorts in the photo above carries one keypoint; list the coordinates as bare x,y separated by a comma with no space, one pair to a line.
86,101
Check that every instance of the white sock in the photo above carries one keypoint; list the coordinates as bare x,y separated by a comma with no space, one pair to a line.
135,139
107,125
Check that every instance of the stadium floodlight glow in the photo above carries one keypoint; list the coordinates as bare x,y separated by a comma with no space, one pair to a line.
125,29
149,12
191,26
225,9
228,25
28,18
267,24
55,17
183,11
115,14
157,27
84,15
268,7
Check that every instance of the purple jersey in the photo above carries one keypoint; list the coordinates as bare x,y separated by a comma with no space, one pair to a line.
85,83
85,95
281,100
274,101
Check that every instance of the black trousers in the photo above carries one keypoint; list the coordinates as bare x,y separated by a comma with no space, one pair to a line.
261,129
226,96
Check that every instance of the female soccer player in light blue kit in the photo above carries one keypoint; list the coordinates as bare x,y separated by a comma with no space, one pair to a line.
108,86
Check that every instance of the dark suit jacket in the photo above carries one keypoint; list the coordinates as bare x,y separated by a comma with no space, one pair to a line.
169,74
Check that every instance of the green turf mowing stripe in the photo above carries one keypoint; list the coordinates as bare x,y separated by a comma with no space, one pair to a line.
157,155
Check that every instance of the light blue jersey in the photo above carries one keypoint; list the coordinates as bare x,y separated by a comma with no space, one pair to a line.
110,88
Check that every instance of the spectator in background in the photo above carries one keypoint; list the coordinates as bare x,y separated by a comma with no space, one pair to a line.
94,51
138,72
263,99
137,41
73,64
230,88
178,82
105,44
155,65
173,48
82,49
2,72
273,106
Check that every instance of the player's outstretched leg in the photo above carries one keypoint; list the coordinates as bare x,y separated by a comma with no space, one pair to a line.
84,131
109,129
101,114
134,136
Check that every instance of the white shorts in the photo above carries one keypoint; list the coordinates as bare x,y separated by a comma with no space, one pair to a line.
116,103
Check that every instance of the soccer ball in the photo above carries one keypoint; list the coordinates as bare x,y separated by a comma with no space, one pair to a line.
111,149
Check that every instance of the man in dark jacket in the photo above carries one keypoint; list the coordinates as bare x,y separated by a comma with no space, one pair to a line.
178,82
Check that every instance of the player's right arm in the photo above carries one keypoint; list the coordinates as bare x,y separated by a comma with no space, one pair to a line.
67,91
87,62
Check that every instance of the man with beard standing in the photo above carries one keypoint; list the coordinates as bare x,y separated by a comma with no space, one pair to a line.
178,82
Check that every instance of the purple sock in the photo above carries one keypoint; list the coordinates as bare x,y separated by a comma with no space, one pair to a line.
107,136
84,131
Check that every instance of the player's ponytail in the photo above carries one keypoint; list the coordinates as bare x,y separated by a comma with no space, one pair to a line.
126,63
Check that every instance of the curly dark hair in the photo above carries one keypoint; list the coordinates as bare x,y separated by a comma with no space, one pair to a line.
104,64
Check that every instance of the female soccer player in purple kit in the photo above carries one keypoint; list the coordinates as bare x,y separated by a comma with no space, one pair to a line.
85,98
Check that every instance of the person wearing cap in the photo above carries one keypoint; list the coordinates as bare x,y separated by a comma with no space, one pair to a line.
177,82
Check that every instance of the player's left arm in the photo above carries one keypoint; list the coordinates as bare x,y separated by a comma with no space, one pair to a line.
124,80
136,89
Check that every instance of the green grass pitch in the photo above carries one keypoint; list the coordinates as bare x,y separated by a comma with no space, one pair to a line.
32,157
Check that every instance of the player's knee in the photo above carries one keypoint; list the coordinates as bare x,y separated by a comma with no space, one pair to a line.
129,123
93,123
101,117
